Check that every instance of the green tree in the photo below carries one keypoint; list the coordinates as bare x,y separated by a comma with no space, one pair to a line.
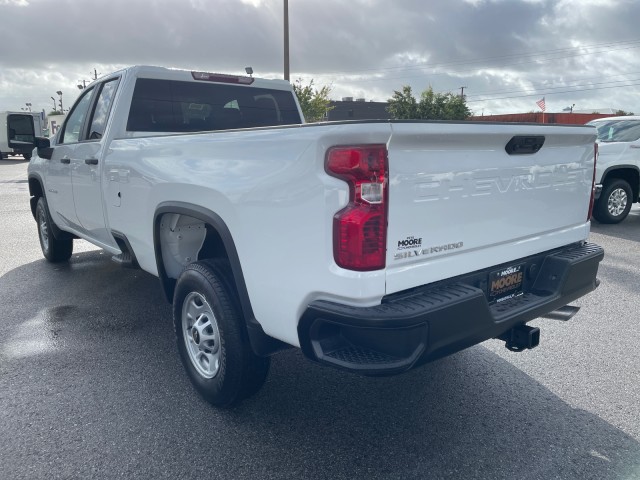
432,106
622,112
403,105
315,103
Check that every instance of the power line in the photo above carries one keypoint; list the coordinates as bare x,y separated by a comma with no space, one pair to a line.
475,70
544,88
624,45
564,85
553,93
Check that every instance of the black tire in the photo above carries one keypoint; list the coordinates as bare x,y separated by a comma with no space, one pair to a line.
27,156
216,353
54,250
614,203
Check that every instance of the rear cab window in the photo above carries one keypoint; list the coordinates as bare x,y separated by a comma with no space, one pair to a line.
180,106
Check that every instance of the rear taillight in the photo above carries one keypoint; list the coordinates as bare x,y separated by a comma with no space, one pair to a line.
593,181
360,229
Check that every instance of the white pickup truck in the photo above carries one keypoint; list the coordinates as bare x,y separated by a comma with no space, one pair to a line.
373,246
618,167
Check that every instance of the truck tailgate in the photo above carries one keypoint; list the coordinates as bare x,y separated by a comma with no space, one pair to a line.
460,202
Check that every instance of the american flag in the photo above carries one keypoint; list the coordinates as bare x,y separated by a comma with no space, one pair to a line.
541,104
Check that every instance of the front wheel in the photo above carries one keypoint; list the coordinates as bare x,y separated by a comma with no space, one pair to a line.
212,338
55,250
614,203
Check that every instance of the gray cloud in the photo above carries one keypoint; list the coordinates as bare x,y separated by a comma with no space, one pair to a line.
507,53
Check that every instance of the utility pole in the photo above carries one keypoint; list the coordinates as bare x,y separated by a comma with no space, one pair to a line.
286,40
462,91
95,74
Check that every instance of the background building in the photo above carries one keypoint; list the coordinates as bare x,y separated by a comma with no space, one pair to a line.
359,109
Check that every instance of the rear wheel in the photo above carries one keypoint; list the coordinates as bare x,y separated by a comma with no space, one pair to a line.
614,203
53,249
212,338
27,156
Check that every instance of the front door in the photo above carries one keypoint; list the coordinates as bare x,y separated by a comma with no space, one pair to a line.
59,190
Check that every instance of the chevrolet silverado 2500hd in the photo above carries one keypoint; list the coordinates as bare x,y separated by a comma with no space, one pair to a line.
372,246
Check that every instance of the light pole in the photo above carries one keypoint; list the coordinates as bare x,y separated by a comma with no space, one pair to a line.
60,93
54,104
286,40
83,85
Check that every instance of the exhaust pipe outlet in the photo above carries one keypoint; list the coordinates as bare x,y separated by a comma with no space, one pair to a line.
521,338
563,313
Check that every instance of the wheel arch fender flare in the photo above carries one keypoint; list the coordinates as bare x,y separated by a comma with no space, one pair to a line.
217,223
634,171
261,343
36,190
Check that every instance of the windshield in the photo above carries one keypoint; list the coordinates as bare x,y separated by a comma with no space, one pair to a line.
617,130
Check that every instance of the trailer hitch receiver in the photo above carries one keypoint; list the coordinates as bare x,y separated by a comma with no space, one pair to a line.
521,338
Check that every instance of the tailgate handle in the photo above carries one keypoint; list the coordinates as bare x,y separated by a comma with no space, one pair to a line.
521,145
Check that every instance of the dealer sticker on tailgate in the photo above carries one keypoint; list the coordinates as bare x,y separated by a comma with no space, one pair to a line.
506,283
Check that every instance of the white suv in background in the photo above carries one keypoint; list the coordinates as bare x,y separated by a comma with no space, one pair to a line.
617,168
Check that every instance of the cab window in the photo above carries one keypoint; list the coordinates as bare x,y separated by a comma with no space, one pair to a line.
102,109
75,121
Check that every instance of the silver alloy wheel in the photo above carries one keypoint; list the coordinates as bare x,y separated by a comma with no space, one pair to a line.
201,335
617,202
44,230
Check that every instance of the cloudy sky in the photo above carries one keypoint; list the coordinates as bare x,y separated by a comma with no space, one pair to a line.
506,53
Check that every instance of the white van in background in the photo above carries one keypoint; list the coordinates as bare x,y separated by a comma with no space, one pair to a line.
18,131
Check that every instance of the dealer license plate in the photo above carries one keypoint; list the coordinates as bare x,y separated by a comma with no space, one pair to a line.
506,283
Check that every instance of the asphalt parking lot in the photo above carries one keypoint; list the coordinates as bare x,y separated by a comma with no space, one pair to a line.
91,386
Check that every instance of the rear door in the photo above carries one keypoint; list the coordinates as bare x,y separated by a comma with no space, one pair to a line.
20,132
464,197
86,172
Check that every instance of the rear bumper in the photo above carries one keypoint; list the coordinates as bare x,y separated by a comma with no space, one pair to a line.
429,322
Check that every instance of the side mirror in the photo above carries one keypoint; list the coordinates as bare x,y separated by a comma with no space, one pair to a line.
44,147
42,142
